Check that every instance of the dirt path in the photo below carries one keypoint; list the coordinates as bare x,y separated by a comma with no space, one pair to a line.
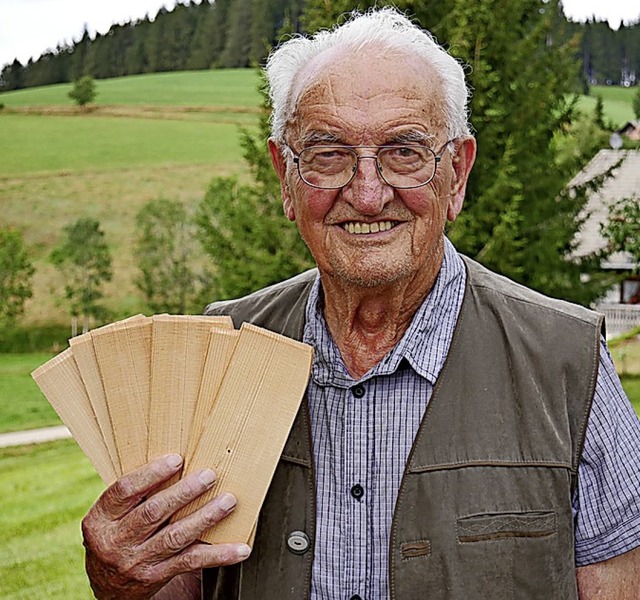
33,436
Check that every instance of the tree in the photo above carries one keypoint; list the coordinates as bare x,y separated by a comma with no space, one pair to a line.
84,90
165,248
242,227
16,272
622,230
522,68
84,261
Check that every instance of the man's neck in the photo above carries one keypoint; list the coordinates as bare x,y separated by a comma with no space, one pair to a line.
366,323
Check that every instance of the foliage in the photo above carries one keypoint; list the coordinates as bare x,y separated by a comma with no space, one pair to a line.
16,271
23,338
164,248
622,229
608,56
83,258
242,228
518,219
636,104
83,91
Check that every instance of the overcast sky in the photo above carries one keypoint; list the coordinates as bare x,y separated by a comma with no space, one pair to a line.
30,27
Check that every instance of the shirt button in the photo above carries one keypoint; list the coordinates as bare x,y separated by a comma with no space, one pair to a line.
298,542
356,597
357,491
358,390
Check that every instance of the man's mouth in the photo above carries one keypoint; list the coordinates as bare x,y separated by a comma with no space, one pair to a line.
358,227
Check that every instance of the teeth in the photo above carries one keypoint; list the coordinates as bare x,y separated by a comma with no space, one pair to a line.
359,228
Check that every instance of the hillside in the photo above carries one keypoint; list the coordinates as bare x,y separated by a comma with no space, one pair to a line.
159,135
147,136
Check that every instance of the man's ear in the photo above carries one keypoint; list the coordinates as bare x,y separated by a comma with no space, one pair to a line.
462,160
280,165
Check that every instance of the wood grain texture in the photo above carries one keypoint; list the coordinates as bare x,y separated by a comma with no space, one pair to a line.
248,426
60,381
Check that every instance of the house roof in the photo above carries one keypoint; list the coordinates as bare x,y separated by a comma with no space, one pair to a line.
623,183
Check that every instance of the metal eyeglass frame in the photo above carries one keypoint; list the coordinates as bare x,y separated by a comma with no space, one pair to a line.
436,155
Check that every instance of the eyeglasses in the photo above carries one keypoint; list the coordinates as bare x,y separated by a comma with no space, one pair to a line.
333,167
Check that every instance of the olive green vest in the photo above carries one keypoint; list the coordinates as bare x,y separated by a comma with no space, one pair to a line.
484,507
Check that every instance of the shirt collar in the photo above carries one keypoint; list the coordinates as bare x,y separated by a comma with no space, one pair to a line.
424,345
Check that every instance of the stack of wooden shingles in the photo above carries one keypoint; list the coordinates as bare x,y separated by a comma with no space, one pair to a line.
224,399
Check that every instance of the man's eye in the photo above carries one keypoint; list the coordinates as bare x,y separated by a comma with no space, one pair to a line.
326,155
405,152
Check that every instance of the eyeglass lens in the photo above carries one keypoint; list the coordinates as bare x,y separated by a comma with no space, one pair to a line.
335,166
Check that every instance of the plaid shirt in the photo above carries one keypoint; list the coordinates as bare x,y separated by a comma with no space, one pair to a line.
363,431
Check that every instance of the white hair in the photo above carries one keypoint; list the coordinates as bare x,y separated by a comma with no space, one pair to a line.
385,28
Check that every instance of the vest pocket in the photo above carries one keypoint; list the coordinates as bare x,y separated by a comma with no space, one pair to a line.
494,526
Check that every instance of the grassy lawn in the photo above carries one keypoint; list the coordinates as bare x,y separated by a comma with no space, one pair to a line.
22,405
617,102
44,492
631,385
69,144
223,87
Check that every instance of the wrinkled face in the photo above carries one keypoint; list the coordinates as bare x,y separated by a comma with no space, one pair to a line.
368,233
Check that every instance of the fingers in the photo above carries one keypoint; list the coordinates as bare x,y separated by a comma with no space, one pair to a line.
156,510
201,556
174,538
129,490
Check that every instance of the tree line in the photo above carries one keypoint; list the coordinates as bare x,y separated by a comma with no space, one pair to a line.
239,33
191,36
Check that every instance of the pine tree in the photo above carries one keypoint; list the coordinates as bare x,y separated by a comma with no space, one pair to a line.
517,218
242,227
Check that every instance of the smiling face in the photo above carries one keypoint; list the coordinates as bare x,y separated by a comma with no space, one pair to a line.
368,233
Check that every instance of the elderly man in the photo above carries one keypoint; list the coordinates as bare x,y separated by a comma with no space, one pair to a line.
462,437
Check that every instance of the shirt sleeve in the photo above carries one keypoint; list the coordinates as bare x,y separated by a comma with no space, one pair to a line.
607,500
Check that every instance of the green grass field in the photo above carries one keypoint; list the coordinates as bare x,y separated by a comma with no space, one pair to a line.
617,102
44,492
22,405
235,88
59,163
74,144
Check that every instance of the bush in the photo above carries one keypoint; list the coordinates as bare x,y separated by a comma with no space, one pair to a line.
84,90
44,338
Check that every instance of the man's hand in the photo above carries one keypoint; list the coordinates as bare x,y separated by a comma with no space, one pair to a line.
131,549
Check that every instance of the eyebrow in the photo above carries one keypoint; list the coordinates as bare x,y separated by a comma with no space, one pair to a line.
412,137
312,138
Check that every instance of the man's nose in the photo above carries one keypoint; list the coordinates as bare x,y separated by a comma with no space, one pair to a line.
368,192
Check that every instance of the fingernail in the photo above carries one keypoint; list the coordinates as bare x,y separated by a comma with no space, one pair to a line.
174,460
243,551
227,502
207,477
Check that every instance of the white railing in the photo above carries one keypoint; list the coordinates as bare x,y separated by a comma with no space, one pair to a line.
620,318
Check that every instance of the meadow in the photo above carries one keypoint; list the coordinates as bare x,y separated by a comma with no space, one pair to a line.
150,136
146,136
44,493
617,102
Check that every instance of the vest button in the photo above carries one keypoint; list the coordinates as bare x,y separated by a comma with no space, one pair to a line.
357,491
358,390
298,542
